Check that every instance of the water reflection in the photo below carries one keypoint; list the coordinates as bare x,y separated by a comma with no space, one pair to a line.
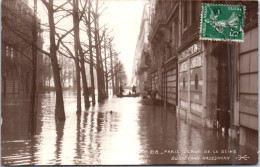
133,133
59,133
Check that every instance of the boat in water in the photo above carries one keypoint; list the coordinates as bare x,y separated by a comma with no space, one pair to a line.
129,95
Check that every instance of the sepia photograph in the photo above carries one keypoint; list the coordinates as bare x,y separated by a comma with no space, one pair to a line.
129,82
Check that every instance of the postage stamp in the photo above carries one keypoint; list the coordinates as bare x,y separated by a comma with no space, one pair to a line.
222,22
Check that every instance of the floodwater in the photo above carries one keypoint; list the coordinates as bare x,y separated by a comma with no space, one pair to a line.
133,133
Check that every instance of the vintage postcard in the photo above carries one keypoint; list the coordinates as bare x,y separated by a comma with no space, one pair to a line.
129,82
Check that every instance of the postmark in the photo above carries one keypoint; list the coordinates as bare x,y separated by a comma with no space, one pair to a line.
222,22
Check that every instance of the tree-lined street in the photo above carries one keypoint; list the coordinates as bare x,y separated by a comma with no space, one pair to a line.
128,82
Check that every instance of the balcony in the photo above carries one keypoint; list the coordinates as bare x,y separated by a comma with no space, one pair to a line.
158,17
144,63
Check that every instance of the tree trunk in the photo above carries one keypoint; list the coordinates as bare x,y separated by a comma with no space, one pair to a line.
76,49
102,77
59,108
78,85
117,82
91,57
98,61
106,76
84,78
34,73
112,68
80,54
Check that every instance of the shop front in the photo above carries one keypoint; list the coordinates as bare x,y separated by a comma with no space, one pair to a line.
192,83
169,82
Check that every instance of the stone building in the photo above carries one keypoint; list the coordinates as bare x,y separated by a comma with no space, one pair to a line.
211,84
141,60
16,64
245,93
164,40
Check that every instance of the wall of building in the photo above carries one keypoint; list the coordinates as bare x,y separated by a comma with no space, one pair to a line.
202,75
170,83
140,64
16,53
217,82
248,88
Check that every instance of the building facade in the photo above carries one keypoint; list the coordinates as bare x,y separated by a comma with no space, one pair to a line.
16,64
246,90
164,41
142,58
212,84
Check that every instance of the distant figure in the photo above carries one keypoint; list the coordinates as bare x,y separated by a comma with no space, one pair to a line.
134,89
155,95
129,93
121,90
149,93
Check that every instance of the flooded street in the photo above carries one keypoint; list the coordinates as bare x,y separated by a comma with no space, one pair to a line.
165,82
118,131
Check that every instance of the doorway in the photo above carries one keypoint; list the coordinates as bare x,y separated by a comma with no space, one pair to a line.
223,97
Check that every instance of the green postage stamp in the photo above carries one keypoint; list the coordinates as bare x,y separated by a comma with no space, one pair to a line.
222,22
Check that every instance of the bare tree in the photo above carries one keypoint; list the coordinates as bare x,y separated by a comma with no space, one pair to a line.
88,22
33,111
59,108
76,50
120,73
54,47
111,64
79,57
98,40
47,72
105,64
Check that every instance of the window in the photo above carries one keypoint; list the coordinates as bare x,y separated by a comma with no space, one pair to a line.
185,14
7,51
194,11
174,34
184,83
11,53
196,81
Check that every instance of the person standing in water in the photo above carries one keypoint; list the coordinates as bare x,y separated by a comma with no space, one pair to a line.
134,89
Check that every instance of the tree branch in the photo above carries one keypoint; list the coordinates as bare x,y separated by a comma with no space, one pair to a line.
25,39
55,10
